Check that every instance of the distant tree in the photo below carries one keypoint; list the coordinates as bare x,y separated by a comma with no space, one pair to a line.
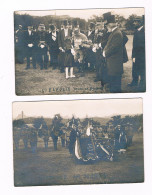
116,120
129,23
18,123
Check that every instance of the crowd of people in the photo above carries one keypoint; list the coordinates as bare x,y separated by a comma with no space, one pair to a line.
85,141
100,49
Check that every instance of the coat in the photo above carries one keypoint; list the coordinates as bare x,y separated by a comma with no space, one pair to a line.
138,51
91,36
53,45
61,38
28,39
114,53
125,40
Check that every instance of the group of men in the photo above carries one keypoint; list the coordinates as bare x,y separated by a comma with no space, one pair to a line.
101,49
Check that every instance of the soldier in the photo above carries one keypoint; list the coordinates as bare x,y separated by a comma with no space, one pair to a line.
45,138
33,140
30,46
73,135
55,130
65,32
19,46
42,47
129,133
25,136
138,55
63,137
16,137
52,41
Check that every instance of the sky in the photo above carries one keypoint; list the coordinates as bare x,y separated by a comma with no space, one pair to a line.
87,13
79,108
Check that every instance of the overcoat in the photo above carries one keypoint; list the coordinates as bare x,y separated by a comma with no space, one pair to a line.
138,51
114,53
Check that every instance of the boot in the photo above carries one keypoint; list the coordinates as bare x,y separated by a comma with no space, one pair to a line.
71,73
66,72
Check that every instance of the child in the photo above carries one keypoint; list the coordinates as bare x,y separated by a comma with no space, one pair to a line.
69,59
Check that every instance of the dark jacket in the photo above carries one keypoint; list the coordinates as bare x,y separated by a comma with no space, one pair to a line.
91,36
125,40
138,51
28,39
114,53
53,45
61,38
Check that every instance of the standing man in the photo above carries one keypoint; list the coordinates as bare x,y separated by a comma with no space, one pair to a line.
19,47
113,52
42,47
98,49
65,32
52,41
138,55
90,56
30,46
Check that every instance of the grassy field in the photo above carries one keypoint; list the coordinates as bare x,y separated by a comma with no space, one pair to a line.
59,168
51,82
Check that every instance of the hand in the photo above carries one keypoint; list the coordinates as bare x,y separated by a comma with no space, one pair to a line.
73,52
61,49
94,49
42,46
133,60
99,44
30,45
104,54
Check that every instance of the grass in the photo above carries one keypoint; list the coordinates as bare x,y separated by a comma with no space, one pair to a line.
59,168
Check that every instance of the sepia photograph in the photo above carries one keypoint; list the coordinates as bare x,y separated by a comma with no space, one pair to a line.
85,51
59,143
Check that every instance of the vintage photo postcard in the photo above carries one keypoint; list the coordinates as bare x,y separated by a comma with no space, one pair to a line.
90,51
59,143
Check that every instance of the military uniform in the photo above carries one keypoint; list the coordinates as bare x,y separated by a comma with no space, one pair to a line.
33,140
